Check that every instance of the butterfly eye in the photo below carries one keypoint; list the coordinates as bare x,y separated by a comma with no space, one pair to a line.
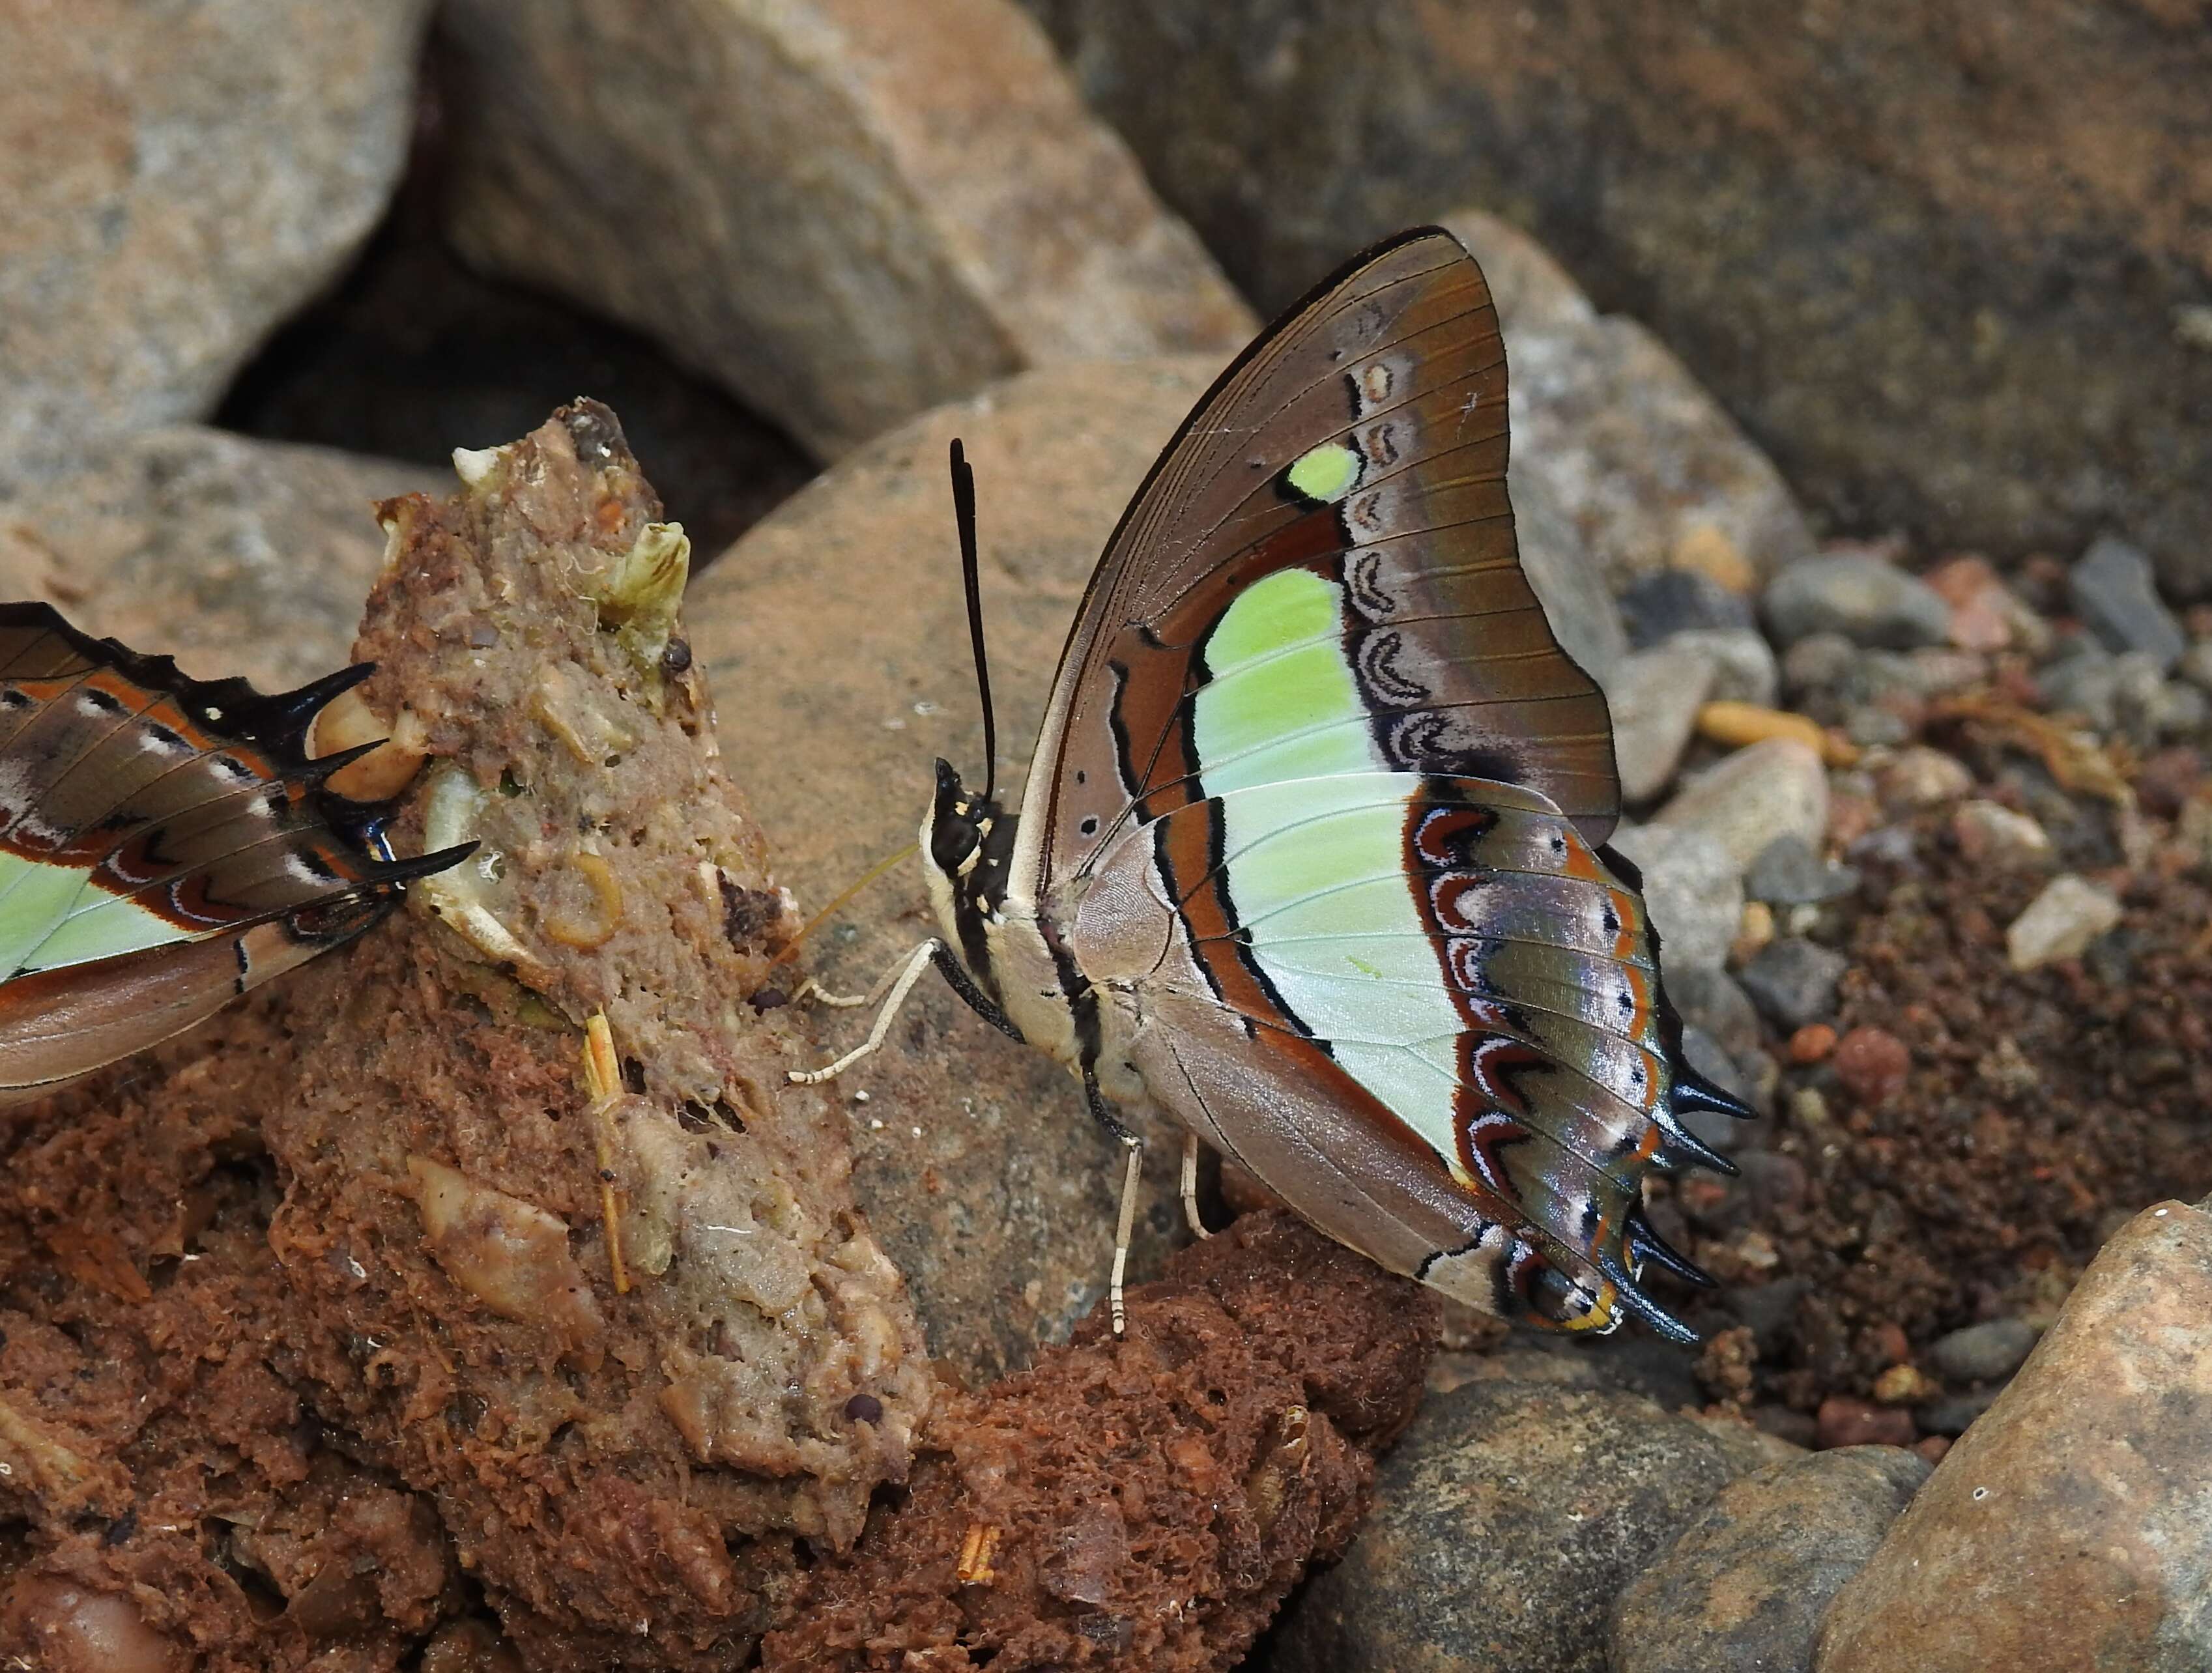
953,839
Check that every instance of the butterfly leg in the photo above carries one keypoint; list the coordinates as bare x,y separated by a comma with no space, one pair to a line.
900,986
1132,1178
1190,1186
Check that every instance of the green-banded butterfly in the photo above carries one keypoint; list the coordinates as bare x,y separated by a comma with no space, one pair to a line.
1312,851
166,844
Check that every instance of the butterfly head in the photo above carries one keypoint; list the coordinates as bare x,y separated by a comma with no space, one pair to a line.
968,840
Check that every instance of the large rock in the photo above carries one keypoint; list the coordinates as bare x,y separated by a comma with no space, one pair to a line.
236,556
1504,1522
177,180
835,638
845,212
1847,227
2067,1530
1613,425
1743,1589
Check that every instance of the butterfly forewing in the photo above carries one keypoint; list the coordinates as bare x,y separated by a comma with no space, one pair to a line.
1319,789
1361,441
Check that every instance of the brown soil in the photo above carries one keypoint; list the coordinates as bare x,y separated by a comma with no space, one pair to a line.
2037,1112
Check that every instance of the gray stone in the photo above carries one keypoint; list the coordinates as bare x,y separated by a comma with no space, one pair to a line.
2066,1529
1711,999
1818,663
1691,889
2080,681
1748,798
1953,1414
1867,601
1794,980
1838,228
1655,696
1791,872
178,181
1743,1587
846,213
1657,606
1570,586
999,1210
1744,669
1983,1353
1505,1521
2114,592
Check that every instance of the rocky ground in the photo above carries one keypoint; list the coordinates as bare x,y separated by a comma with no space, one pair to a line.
1925,821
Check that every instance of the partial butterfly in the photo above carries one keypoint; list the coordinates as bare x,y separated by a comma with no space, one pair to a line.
1312,851
166,844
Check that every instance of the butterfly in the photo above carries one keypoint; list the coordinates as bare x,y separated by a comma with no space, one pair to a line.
1312,851
166,844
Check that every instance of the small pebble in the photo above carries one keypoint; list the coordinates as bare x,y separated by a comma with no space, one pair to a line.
1818,663
1746,799
2113,590
2196,665
1744,669
1808,1107
1791,872
1903,1385
1872,1065
1753,931
1844,1421
1656,606
1867,601
2059,924
1705,549
1932,1447
1812,1044
1735,724
1922,777
1655,695
1793,981
1691,889
1979,619
1983,1353
1990,833
1952,1413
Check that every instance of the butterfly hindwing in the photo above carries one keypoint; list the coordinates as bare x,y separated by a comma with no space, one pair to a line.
165,844
1446,959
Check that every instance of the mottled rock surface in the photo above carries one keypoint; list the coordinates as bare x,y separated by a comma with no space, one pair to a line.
2067,1530
1504,1522
234,555
845,212
1874,234
1001,1210
1743,1588
177,180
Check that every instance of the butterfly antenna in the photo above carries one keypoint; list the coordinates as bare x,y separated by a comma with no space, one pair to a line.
964,514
